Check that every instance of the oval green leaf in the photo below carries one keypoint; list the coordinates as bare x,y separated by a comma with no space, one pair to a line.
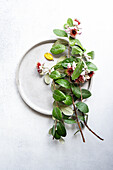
82,107
57,49
68,100
57,113
77,71
91,54
55,75
70,22
60,41
61,129
64,83
60,33
59,95
57,136
85,93
91,66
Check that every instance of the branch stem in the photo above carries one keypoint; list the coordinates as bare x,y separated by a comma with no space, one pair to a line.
86,123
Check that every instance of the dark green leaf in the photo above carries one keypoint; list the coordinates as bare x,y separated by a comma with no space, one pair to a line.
59,95
60,33
82,107
76,50
60,41
91,66
57,113
70,22
67,61
64,83
68,100
55,75
77,71
61,129
69,121
57,49
91,54
76,91
58,65
53,130
85,93
57,136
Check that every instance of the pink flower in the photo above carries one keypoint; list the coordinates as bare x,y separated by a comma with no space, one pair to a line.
80,79
91,74
69,71
73,32
39,67
78,22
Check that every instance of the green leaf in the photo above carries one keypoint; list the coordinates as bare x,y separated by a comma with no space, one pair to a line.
67,61
91,66
69,121
82,107
85,93
60,33
59,95
53,130
91,54
64,83
76,91
68,100
57,49
76,50
58,66
77,71
57,113
73,41
57,136
55,75
65,26
70,22
67,110
60,41
61,129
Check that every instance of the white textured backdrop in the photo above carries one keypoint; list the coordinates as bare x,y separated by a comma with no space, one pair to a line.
24,142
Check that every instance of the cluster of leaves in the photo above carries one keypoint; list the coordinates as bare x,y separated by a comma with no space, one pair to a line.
69,106
63,86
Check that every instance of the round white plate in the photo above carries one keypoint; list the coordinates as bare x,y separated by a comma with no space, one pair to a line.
35,93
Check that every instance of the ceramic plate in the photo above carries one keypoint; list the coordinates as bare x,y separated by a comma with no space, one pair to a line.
35,93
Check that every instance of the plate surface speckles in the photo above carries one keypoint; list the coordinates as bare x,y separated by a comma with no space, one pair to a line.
35,93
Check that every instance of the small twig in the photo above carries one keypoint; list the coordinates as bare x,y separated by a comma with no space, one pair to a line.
86,123
92,131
